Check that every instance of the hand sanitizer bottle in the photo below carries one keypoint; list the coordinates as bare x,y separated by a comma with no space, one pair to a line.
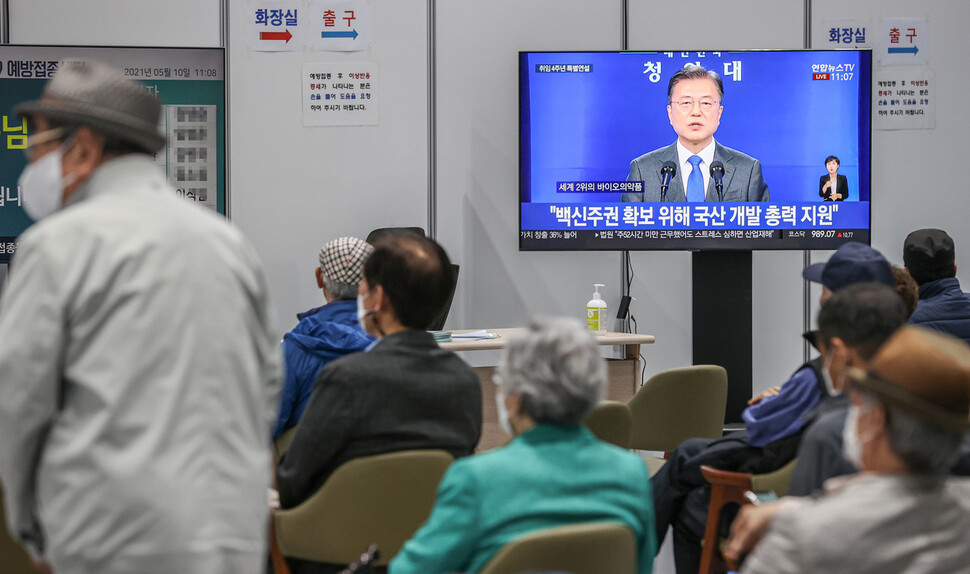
596,316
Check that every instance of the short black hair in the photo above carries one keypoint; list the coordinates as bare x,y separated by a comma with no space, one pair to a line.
832,157
416,274
692,72
864,315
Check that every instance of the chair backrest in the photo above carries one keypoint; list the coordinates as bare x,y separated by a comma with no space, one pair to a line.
590,548
13,558
679,404
611,421
380,499
439,323
282,442
776,481
382,232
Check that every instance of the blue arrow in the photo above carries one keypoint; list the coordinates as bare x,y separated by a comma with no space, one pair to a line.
352,34
912,50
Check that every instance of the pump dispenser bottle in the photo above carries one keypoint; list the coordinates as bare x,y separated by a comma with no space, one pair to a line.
596,316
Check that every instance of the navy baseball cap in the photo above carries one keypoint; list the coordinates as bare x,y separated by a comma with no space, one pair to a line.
851,263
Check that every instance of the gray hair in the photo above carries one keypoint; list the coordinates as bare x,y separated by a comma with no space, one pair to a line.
339,290
924,447
556,367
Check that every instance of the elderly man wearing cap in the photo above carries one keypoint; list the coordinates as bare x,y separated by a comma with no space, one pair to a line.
139,367
902,513
930,257
324,333
774,422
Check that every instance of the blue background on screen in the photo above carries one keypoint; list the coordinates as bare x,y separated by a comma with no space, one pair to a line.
589,126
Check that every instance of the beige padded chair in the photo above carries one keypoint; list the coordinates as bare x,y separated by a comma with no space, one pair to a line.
675,405
13,558
282,442
728,488
380,499
590,548
611,421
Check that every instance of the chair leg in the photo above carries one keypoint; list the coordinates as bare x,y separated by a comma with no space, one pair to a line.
710,553
276,556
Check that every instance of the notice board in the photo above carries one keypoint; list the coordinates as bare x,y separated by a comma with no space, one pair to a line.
190,82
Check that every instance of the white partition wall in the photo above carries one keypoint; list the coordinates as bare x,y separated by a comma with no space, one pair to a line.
292,187
478,161
188,23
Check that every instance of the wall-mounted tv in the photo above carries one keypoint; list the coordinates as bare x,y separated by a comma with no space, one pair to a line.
749,150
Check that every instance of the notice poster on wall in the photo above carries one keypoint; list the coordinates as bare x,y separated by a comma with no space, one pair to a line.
190,82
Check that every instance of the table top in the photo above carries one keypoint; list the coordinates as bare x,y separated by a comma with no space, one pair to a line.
504,335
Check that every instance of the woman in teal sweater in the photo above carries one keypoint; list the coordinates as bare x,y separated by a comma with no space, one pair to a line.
553,473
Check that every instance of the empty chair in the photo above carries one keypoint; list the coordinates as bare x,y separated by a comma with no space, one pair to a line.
380,499
675,405
611,421
591,548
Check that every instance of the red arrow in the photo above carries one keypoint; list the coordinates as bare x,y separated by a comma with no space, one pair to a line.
276,36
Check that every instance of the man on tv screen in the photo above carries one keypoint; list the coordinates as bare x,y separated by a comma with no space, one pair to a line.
696,168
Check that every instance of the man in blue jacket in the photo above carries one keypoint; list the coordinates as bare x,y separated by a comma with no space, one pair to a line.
327,332
930,258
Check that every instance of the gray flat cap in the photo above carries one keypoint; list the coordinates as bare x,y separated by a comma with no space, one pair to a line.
92,93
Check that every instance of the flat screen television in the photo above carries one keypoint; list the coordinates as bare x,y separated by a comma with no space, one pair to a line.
602,167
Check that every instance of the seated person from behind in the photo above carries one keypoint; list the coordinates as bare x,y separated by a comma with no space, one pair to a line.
553,473
774,423
327,332
929,256
852,326
902,513
404,393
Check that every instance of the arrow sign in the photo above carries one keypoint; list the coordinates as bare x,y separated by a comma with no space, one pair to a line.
911,50
285,36
352,34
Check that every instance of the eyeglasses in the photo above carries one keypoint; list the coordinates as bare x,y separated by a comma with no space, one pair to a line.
46,136
687,105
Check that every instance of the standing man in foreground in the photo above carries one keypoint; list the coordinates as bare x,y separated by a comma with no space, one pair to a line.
138,368
694,98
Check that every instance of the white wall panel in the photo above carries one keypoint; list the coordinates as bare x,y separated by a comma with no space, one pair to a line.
293,188
478,142
186,23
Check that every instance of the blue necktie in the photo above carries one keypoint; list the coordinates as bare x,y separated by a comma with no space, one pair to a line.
695,182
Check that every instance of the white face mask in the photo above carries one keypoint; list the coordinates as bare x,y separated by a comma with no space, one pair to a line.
42,185
827,377
361,312
851,443
503,413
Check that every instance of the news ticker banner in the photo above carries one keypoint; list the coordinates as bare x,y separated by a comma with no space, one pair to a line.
820,225
190,82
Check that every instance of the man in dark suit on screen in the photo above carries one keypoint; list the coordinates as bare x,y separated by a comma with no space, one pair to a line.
694,97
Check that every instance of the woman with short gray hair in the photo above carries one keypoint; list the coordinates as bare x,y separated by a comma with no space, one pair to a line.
553,473
553,373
